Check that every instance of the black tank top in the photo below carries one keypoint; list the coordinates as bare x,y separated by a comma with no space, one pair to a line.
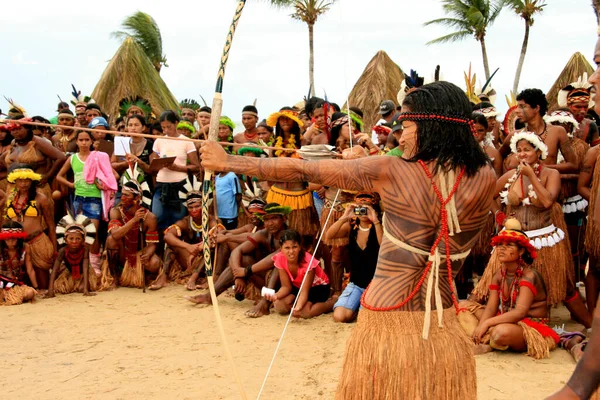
363,262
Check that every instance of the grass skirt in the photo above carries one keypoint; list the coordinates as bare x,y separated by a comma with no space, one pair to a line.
133,275
15,295
41,251
65,283
303,218
387,358
592,231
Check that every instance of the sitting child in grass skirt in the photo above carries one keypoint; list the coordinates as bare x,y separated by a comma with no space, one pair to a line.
293,264
72,271
15,266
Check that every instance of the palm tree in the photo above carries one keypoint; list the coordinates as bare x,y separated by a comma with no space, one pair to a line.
307,11
525,9
469,18
142,28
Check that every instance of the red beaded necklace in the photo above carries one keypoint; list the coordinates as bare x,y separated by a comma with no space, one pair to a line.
250,136
513,289
443,235
75,261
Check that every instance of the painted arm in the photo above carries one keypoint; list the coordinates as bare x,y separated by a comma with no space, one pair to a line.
150,225
173,241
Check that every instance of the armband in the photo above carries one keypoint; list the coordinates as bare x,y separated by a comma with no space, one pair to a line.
114,223
152,237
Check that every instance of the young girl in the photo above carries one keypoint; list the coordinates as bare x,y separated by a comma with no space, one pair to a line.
293,264
15,266
71,267
140,151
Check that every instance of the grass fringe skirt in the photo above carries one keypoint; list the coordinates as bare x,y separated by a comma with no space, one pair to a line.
303,218
387,358
15,295
65,283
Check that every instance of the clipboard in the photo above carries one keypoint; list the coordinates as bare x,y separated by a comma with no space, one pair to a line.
160,163
106,147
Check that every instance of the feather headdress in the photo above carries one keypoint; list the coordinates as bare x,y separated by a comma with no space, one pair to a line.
78,98
250,193
15,109
191,192
578,91
134,182
487,93
410,83
470,80
189,103
80,224
511,116
126,103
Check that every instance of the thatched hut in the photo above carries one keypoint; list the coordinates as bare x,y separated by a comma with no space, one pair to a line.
380,81
130,73
576,67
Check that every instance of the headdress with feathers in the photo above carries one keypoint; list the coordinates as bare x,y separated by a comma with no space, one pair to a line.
15,109
192,192
470,80
79,98
80,223
410,83
511,116
126,103
250,193
487,91
134,181
580,85
189,103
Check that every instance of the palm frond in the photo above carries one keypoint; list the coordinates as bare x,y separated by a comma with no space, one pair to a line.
451,37
449,22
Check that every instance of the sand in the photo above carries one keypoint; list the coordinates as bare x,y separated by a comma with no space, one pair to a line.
129,345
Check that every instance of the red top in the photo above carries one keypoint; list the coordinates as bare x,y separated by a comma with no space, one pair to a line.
320,275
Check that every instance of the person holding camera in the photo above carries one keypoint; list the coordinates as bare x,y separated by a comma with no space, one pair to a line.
361,225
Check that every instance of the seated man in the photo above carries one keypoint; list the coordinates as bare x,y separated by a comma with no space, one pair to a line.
251,260
132,239
516,314
72,271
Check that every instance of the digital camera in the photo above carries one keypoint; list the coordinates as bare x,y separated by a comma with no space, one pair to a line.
360,211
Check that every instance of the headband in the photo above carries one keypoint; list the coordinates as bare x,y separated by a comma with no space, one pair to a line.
227,122
23,173
562,117
66,115
442,118
250,113
488,112
340,121
205,113
12,233
580,98
533,139
186,125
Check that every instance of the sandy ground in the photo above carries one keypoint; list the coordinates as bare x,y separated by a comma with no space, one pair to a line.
129,345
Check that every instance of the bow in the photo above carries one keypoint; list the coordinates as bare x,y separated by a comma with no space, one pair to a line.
217,107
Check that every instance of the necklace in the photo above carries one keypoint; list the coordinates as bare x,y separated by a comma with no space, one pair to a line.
544,133
513,289
195,228
250,136
364,229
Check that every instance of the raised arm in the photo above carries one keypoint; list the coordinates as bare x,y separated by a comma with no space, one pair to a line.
362,174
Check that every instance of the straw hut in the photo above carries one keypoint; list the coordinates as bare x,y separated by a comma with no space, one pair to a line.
380,81
576,67
130,73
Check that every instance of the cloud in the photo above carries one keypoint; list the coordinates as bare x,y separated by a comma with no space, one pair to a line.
19,59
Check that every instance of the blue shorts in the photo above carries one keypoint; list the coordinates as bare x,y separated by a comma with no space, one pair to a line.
91,207
350,297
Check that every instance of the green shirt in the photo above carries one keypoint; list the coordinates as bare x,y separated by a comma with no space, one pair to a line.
82,188
395,152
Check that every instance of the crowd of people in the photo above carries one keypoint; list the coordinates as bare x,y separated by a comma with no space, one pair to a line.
86,211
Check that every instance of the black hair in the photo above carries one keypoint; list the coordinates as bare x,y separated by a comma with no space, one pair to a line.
156,127
139,118
335,107
311,105
169,116
335,131
7,139
534,97
357,111
452,146
67,112
62,104
205,109
250,108
290,234
482,105
41,119
34,184
263,123
120,119
93,106
20,242
480,119
91,138
295,129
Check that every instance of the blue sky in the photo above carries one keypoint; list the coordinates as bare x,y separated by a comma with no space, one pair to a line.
47,47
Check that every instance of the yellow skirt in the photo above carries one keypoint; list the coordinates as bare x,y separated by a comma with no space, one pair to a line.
387,358
304,218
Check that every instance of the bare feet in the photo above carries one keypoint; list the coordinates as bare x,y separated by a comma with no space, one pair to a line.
203,298
577,351
482,349
159,283
191,283
260,309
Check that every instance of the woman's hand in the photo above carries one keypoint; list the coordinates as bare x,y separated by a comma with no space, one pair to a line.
480,331
372,214
131,158
363,139
526,169
213,156
349,213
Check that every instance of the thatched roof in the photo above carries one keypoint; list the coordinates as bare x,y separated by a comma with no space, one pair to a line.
576,66
380,81
130,73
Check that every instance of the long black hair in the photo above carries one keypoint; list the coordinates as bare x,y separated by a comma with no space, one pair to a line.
451,146
170,116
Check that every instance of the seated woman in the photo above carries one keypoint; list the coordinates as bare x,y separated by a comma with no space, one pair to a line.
360,224
294,264
15,266
516,314
72,270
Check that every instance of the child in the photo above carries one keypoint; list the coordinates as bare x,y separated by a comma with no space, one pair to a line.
15,266
293,264
71,269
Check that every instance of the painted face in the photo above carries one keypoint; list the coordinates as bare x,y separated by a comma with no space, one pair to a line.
509,252
224,133
480,132
23,184
408,140
195,209
595,78
525,112
11,243
249,121
579,110
188,115
291,250
273,223
526,152
84,141
128,198
319,116
168,128
134,126
91,114
264,134
74,240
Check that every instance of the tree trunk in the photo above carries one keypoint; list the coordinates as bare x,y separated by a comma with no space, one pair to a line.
521,58
486,66
311,59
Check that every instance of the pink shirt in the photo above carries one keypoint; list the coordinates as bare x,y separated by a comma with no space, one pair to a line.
173,148
320,275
